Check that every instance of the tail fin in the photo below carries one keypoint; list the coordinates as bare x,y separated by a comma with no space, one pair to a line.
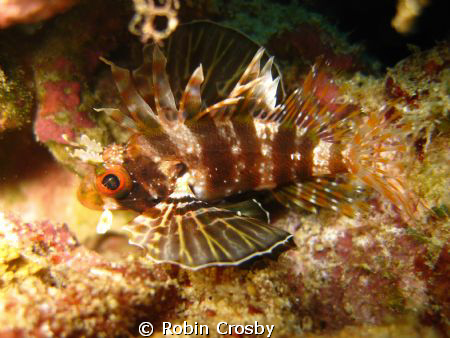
373,156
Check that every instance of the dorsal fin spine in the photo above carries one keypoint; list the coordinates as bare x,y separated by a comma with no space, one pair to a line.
138,109
118,116
191,100
164,99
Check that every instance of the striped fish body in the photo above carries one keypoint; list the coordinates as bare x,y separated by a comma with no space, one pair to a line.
228,158
225,158
209,123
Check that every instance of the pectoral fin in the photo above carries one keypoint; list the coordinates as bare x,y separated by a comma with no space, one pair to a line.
320,192
195,235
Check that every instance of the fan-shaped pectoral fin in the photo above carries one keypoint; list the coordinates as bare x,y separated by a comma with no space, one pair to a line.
195,235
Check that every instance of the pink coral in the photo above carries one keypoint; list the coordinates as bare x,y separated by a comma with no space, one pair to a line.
47,129
60,95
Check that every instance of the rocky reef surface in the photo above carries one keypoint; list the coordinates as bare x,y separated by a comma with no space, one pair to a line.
373,275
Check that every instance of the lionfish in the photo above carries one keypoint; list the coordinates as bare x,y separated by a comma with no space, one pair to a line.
210,125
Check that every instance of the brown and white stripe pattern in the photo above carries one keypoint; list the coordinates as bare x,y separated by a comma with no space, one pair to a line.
244,142
189,153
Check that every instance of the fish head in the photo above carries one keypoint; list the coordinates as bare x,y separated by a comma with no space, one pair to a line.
130,177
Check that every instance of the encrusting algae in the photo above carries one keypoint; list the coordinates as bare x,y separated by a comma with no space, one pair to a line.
43,264
16,99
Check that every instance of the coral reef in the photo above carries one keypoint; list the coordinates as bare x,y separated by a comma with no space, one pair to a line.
61,77
74,290
420,85
375,275
261,20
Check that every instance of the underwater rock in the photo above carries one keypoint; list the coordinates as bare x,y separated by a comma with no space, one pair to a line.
342,275
16,94
27,11
419,85
363,270
310,41
296,35
64,76
52,286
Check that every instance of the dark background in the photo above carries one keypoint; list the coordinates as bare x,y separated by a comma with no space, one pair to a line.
369,22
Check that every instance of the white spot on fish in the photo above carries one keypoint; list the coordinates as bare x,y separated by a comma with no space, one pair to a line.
266,150
105,222
296,156
235,149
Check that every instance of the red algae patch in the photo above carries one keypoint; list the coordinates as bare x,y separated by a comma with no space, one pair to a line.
47,129
61,95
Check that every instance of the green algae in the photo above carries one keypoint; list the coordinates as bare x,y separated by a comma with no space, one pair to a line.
16,99
442,211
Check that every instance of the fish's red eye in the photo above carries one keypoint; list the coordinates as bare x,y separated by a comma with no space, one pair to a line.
114,182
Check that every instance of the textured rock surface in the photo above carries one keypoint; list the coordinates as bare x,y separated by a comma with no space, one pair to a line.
16,93
26,11
53,286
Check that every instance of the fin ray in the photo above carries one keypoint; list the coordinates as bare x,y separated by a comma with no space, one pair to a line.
319,193
223,52
191,101
164,99
195,235
138,109
373,158
118,116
